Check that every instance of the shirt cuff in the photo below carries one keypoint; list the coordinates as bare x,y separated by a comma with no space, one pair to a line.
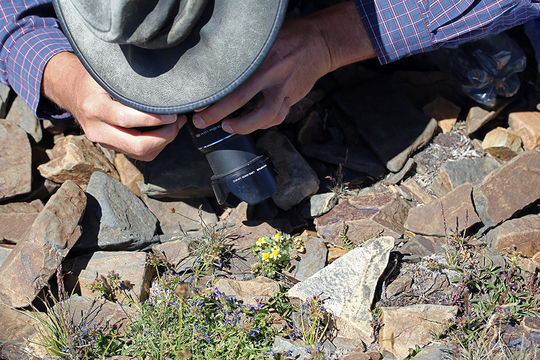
395,27
26,64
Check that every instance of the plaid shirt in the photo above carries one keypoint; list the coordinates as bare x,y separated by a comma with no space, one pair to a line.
30,34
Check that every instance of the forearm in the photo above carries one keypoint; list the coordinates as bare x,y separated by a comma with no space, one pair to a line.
342,29
60,77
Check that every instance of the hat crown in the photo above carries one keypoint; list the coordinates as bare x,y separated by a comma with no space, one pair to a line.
151,24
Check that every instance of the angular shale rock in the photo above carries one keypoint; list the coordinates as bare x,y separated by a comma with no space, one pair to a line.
405,327
181,217
15,161
527,125
128,172
502,143
178,177
17,329
508,189
21,115
129,266
76,158
95,313
387,121
5,250
178,253
444,111
478,117
523,234
421,246
250,292
313,260
451,213
295,178
348,284
319,204
356,157
417,191
16,219
116,219
363,217
455,173
33,261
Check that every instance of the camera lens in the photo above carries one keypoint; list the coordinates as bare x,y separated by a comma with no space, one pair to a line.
236,166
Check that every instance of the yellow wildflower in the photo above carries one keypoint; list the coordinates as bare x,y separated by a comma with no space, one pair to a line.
266,256
277,236
260,242
274,254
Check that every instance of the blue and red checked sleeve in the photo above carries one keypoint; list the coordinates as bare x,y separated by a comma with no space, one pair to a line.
398,28
29,37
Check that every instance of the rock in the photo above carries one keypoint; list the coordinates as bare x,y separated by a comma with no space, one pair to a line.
455,173
54,232
421,246
444,111
372,355
527,125
295,349
178,177
508,189
95,313
182,217
319,204
502,143
18,329
16,219
312,130
478,117
76,158
115,219
298,111
531,323
178,253
399,285
15,161
349,344
522,234
129,174
4,253
250,292
452,213
313,260
363,217
354,157
434,351
295,178
349,283
387,121
418,192
19,114
335,253
129,266
409,326
394,178
4,97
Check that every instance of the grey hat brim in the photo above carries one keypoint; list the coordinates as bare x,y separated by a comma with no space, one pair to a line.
234,38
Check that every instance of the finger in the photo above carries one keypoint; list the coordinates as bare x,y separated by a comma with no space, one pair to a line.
115,113
269,114
138,145
230,103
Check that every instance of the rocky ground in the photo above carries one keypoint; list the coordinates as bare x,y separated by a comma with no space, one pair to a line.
403,192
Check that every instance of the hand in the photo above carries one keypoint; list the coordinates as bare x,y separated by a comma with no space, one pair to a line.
105,121
305,50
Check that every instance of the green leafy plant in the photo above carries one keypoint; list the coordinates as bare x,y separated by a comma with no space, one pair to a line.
273,253
314,321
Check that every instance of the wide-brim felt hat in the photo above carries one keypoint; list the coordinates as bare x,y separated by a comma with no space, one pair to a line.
170,56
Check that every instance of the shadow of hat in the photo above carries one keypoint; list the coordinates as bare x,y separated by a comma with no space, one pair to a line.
170,56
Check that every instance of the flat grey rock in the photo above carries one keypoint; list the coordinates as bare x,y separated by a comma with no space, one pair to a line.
19,114
319,204
115,218
347,285
15,161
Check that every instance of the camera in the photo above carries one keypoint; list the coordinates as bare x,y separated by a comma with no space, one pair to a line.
237,168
